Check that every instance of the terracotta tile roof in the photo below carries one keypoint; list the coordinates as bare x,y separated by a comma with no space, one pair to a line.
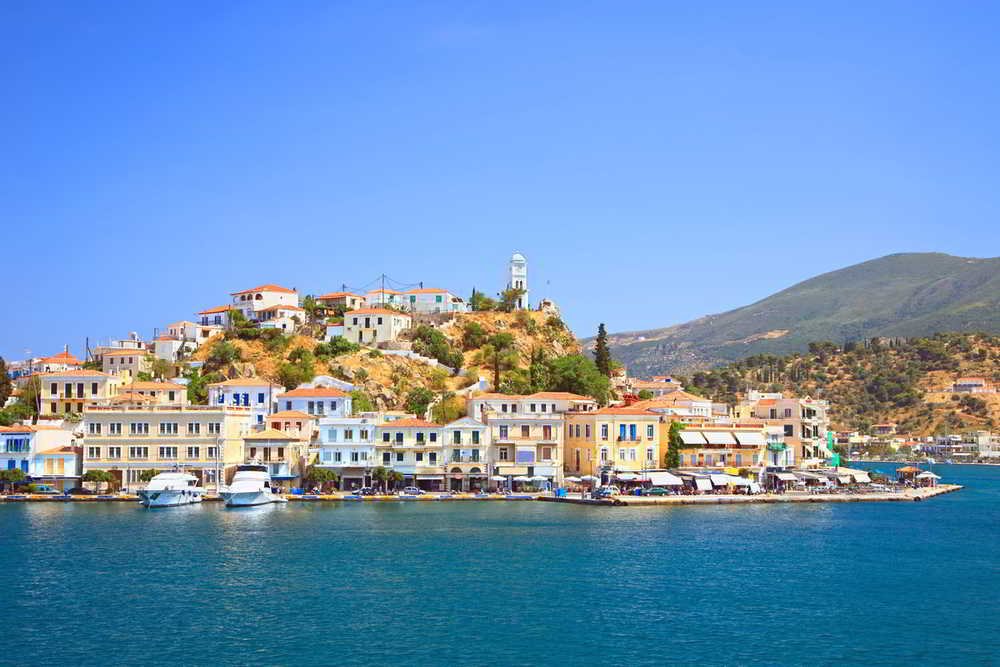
151,386
290,414
265,288
271,434
384,291
62,358
559,396
167,339
182,323
492,396
970,380
375,311
338,295
314,392
115,353
767,402
426,290
129,397
410,423
65,449
22,428
245,382
219,309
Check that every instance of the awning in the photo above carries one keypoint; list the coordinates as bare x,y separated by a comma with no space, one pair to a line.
692,438
928,475
861,477
665,479
844,479
719,480
753,439
786,476
431,477
807,475
703,483
739,481
719,438
627,476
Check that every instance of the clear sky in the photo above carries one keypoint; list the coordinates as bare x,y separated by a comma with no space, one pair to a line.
654,161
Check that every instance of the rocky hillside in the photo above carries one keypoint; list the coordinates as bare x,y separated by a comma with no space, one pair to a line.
906,381
912,294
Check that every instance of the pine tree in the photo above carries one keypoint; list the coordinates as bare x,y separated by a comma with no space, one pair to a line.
5,383
674,444
602,355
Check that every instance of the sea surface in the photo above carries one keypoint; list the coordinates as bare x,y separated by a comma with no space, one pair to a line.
506,583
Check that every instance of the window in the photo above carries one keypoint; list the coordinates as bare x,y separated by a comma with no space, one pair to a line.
312,408
525,431
288,405
631,454
503,407
604,431
168,452
114,429
547,432
649,455
93,452
420,457
214,428
434,436
544,406
194,452
69,390
54,389
432,458
194,429
513,407
171,395
503,432
399,437
456,437
399,457
114,452
475,437
364,434
533,407
621,454
213,452
789,430
385,437
349,434
546,453
386,458
649,431
138,452
93,389
138,429
168,428
604,454
420,436
281,452
93,429
502,454
379,321
354,457
788,413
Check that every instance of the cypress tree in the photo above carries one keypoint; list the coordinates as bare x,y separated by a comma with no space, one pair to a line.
602,355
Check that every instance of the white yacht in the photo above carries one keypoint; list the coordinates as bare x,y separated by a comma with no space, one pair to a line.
251,486
170,489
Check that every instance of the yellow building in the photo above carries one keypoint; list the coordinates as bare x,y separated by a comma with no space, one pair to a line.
68,392
726,446
206,441
613,440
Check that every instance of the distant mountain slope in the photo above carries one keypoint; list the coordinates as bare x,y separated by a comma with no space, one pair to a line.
910,294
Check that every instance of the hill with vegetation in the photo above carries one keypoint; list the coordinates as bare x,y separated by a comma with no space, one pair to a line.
903,295
882,380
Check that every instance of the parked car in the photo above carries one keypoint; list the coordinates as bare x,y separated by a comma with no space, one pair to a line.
367,491
607,492
47,489
79,491
413,491
655,491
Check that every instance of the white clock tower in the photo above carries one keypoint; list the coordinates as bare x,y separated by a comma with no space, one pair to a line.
518,278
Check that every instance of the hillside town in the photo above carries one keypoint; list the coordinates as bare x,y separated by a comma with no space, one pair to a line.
128,411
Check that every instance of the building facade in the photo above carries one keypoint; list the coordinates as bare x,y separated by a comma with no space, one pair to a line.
68,392
613,440
371,326
261,396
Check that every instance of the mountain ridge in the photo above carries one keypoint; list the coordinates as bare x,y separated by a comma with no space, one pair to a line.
903,294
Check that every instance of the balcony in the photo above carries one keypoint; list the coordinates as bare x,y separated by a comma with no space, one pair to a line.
777,446
465,459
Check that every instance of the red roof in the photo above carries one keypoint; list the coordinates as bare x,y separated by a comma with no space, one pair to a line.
620,411
265,288
314,392
338,295
220,309
291,414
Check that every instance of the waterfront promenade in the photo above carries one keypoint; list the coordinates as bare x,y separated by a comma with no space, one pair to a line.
909,494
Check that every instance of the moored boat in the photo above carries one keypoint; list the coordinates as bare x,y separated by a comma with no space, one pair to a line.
171,489
251,486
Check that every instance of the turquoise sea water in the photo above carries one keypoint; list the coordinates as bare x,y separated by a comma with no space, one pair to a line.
506,583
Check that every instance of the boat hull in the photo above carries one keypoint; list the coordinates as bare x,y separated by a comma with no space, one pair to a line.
249,498
168,498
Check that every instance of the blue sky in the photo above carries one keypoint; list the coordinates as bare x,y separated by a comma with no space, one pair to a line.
654,161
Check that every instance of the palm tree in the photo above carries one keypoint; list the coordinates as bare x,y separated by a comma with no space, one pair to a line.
394,478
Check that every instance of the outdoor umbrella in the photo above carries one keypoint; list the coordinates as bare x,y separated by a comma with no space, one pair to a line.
522,478
498,478
590,478
574,480
627,476
928,475
539,478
